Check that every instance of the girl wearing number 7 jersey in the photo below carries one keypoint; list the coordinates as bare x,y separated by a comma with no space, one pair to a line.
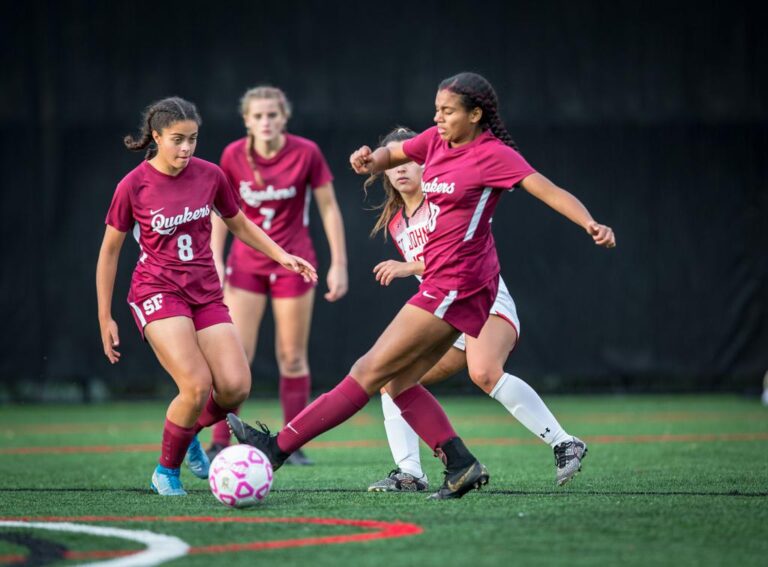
175,295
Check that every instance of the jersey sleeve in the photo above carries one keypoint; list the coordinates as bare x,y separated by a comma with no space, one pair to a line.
319,173
225,201
228,166
504,169
120,213
417,148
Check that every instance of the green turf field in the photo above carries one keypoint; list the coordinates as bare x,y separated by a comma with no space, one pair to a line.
668,480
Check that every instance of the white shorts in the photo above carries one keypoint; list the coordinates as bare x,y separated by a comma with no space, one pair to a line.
503,307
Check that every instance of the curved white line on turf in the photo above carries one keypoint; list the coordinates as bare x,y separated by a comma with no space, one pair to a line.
160,548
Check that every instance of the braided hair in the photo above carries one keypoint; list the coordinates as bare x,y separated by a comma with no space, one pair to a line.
393,201
158,116
475,91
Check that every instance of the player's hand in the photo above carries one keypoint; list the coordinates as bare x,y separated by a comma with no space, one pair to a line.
299,266
362,161
110,340
602,234
338,283
388,270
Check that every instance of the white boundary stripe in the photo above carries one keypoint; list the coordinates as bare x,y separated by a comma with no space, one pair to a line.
136,308
440,311
160,547
477,214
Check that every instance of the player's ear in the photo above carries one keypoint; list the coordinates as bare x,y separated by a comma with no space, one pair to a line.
156,136
475,115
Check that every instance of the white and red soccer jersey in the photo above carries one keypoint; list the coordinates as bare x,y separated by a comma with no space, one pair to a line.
462,187
281,205
170,218
410,234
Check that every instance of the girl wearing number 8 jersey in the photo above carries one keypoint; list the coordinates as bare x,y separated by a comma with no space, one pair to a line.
406,217
276,175
175,294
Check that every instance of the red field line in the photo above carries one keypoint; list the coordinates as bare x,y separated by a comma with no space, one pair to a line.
368,443
382,530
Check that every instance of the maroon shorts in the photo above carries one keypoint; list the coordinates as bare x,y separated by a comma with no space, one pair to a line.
466,311
164,305
282,283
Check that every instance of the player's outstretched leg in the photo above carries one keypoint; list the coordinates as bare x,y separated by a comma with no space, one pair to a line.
166,482
260,438
197,459
568,457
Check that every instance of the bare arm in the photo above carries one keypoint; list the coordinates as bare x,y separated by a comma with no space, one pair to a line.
364,161
570,207
388,270
257,239
218,241
106,270
338,281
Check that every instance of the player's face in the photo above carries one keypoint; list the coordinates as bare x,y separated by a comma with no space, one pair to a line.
176,143
454,123
265,119
405,178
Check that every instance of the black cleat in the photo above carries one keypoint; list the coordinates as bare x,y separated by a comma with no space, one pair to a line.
299,459
463,471
214,449
263,440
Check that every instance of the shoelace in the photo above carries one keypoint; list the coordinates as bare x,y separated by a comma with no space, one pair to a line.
394,472
560,454
263,427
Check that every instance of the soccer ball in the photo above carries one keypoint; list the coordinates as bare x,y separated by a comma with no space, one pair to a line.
240,476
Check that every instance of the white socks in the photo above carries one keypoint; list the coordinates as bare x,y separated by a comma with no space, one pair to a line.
403,440
529,409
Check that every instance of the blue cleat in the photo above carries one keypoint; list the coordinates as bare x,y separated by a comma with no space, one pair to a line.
197,460
166,482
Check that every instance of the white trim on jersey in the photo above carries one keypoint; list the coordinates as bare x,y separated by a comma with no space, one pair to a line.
307,199
477,214
440,311
139,314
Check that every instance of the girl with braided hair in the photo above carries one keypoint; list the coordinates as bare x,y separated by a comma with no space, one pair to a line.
468,162
405,216
175,294
276,175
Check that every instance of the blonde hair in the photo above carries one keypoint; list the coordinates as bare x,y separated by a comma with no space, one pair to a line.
258,93
393,201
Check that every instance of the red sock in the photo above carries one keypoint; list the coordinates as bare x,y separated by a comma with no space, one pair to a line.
212,413
176,440
326,412
221,434
294,395
425,415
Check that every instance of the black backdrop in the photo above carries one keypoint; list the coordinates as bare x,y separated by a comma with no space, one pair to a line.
654,115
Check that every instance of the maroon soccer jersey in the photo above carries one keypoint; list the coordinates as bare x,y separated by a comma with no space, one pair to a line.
462,187
170,218
281,205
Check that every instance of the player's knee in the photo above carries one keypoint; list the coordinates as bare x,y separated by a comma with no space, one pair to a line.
485,376
196,392
292,361
365,370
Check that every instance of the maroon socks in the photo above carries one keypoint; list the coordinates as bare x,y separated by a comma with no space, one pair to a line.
326,412
425,415
176,440
294,395
220,435
212,413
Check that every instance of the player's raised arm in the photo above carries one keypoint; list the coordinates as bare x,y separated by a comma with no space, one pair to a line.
366,161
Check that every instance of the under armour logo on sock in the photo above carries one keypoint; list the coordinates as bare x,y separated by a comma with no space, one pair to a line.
543,435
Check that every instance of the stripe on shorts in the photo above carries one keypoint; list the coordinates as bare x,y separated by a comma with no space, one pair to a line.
139,314
440,311
477,214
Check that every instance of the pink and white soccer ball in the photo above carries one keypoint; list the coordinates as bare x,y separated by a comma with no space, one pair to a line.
240,476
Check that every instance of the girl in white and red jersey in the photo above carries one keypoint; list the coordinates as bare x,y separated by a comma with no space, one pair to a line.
469,160
175,293
276,175
405,216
